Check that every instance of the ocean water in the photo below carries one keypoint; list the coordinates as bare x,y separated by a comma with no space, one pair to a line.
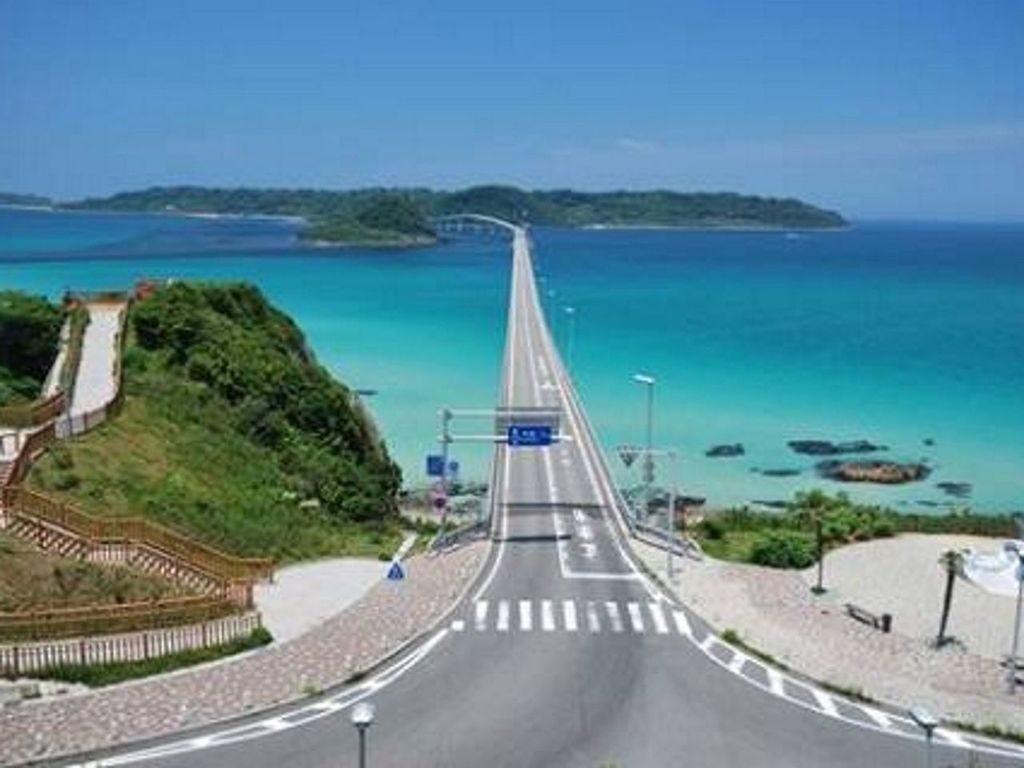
895,333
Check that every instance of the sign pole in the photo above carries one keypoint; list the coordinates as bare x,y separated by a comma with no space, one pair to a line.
446,417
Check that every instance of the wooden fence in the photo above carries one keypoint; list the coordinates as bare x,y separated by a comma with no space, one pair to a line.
138,531
34,444
33,414
25,658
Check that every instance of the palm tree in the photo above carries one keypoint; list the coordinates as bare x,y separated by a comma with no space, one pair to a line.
952,562
812,507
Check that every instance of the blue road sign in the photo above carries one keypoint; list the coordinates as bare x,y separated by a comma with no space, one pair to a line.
396,572
435,465
529,434
453,467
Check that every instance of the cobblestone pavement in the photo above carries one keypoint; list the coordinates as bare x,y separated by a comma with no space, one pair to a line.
352,641
775,612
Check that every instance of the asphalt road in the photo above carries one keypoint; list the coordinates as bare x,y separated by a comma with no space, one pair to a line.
564,655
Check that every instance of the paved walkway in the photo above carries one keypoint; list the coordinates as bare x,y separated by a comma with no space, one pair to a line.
96,381
775,612
306,595
354,640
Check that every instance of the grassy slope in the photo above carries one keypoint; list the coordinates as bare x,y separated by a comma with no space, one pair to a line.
179,453
31,580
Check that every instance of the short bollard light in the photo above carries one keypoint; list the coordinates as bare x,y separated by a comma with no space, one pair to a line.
927,722
362,719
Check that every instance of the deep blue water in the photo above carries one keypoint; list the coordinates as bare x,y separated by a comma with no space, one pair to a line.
895,333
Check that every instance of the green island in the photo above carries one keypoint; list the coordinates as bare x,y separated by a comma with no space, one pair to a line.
401,217
233,434
30,201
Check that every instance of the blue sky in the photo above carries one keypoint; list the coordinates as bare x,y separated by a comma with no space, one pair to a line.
894,108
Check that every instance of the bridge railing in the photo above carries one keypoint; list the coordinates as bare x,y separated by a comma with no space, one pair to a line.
33,414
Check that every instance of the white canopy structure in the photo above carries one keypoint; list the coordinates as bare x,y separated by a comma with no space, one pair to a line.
996,572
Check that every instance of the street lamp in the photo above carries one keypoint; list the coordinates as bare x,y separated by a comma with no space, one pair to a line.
927,722
648,467
1011,675
362,719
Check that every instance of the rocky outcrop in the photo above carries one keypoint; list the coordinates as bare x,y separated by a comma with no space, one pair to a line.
725,451
777,472
828,448
955,489
884,472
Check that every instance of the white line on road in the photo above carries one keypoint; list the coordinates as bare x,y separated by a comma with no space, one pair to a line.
525,615
660,625
503,616
682,623
825,702
736,662
547,616
953,738
635,618
458,625
569,615
481,615
878,716
613,616
775,681
593,622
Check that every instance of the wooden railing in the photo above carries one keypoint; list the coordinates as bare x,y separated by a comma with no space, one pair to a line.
33,414
221,566
35,443
111,619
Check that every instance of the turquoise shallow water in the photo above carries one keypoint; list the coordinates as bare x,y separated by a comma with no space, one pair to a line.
895,333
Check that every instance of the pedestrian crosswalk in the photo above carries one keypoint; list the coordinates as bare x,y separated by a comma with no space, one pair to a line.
574,616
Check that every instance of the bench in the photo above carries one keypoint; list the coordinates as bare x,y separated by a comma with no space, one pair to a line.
876,621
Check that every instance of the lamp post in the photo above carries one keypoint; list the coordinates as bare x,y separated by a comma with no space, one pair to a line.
648,467
362,719
1011,675
927,722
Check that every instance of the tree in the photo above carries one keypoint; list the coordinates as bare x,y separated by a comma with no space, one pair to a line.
952,562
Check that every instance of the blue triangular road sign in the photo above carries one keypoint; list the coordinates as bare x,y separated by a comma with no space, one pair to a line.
396,572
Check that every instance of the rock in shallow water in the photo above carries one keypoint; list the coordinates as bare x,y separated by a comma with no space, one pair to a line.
955,489
727,450
884,472
828,448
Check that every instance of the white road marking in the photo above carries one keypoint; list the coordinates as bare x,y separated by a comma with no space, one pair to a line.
525,615
578,515
458,625
660,625
593,621
952,738
682,623
882,719
589,551
481,615
775,681
613,616
547,616
635,618
707,642
569,615
737,662
502,625
825,702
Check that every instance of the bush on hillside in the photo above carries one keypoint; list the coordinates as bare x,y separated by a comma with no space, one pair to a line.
29,333
783,549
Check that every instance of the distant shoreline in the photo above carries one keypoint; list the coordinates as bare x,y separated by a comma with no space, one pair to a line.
710,228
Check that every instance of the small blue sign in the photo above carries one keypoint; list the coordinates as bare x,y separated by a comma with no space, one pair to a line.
435,465
529,435
453,467
396,572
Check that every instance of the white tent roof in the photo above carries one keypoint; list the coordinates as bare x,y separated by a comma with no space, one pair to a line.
996,572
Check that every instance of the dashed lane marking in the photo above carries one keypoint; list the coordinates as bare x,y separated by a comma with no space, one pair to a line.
481,615
502,625
825,702
737,662
682,623
458,625
635,618
593,622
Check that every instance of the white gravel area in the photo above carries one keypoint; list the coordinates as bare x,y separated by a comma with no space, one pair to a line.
901,576
305,595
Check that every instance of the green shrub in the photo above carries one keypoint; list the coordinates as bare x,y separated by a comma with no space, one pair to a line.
783,549
713,528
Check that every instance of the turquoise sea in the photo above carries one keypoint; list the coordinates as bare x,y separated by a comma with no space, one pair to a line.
906,334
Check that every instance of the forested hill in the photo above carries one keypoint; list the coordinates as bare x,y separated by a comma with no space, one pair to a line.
561,208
